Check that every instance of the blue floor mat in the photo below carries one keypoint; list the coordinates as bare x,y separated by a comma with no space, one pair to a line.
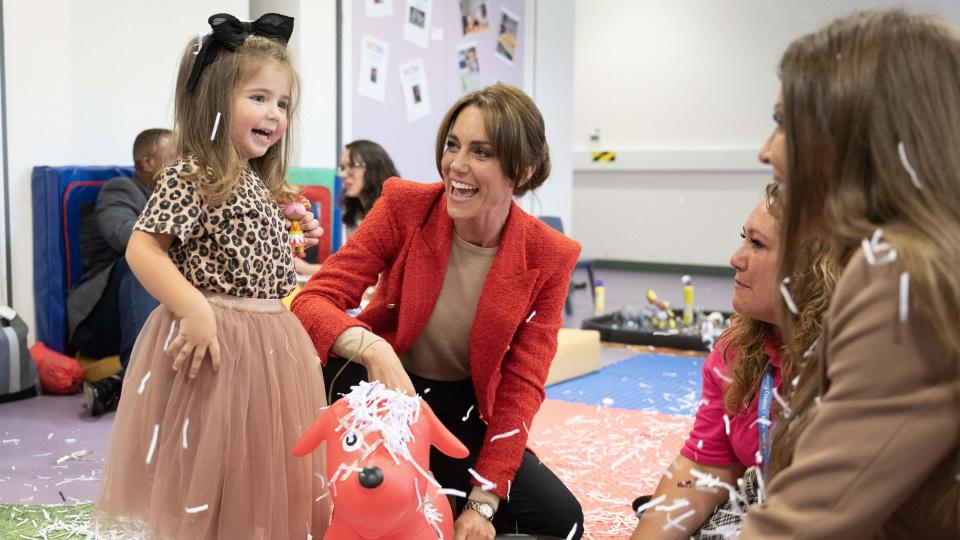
646,382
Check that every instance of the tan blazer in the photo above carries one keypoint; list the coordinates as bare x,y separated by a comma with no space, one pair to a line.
878,457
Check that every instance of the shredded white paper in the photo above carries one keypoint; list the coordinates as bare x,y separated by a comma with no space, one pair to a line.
143,382
153,443
216,125
787,298
905,161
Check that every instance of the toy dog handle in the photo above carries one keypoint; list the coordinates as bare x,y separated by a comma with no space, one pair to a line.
440,436
315,434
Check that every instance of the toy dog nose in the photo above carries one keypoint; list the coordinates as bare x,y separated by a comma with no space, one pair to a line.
371,477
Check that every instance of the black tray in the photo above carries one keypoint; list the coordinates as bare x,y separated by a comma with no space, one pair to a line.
604,324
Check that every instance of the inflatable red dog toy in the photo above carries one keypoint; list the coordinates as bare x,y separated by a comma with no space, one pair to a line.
378,453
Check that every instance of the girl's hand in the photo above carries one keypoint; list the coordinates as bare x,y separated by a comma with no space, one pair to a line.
384,365
311,228
472,526
196,337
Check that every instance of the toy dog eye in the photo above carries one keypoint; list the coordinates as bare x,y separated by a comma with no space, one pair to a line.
351,441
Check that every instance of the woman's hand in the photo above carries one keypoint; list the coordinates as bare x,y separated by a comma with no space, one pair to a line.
472,526
196,337
384,365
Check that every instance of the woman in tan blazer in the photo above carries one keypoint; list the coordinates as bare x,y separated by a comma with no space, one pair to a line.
867,446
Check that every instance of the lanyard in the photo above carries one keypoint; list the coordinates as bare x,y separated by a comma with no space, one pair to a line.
764,424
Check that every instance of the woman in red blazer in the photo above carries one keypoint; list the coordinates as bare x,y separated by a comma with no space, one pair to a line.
467,310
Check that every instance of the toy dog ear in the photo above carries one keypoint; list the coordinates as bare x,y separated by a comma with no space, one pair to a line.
441,437
316,433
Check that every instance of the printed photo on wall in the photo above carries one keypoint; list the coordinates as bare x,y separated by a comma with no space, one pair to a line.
379,8
507,40
416,22
413,80
473,14
372,81
469,67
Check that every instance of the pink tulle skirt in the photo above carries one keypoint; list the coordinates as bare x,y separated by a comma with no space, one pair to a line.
210,457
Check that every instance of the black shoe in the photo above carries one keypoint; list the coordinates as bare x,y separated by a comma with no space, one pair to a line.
102,396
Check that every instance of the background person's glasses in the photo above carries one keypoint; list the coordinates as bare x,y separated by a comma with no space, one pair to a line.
347,167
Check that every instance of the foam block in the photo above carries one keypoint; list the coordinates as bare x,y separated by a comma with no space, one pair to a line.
578,353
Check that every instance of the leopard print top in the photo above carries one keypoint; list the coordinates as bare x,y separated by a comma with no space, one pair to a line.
240,248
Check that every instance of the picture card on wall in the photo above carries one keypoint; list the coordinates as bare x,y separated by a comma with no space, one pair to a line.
473,16
379,8
416,95
508,35
469,67
374,55
416,22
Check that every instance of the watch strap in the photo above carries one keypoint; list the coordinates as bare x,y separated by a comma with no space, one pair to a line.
482,508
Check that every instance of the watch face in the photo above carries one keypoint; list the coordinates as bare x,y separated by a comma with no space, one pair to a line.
483,509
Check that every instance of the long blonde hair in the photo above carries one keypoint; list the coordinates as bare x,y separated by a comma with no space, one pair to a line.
196,112
743,344
853,92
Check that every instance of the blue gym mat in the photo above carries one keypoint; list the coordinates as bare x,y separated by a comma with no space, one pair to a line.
646,382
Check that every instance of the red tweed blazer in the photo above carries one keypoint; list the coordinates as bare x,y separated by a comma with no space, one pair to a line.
406,237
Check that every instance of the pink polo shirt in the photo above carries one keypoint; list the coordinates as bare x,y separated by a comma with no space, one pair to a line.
742,443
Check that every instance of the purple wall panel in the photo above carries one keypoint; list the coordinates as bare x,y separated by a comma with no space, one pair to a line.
411,144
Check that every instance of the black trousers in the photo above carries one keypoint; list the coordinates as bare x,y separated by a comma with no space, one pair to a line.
539,504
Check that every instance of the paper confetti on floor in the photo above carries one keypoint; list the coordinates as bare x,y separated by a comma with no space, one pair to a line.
607,457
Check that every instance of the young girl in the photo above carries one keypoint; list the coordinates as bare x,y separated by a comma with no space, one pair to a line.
202,448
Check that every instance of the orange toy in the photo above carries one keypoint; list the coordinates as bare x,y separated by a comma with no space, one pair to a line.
378,454
294,211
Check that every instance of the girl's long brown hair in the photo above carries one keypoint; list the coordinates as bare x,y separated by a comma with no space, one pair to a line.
743,343
852,92
196,112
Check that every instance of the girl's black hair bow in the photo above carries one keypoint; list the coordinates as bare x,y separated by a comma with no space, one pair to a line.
228,32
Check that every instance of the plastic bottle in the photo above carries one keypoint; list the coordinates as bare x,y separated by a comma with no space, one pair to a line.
687,300
600,300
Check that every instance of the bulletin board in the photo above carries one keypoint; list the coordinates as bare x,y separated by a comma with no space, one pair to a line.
405,62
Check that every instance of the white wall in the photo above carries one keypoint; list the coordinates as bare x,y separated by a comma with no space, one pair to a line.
553,51
684,92
6,285
81,83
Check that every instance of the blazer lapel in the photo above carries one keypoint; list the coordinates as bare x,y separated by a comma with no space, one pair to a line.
504,299
424,270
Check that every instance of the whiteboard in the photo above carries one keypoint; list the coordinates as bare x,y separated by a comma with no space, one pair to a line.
405,62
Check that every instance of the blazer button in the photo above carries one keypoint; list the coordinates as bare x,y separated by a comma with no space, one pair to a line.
391,306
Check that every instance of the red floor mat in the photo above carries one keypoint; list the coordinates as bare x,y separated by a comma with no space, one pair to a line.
607,457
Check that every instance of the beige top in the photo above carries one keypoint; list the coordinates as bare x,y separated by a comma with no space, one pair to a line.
441,352
879,455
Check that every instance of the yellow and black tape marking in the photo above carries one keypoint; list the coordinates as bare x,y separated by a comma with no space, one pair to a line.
605,156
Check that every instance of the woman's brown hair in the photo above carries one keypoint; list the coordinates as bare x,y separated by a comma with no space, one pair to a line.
856,93
515,128
196,113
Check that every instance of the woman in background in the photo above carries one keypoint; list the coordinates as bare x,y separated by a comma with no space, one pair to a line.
364,167
728,440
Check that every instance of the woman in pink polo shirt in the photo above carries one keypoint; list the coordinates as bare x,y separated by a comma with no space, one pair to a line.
742,377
